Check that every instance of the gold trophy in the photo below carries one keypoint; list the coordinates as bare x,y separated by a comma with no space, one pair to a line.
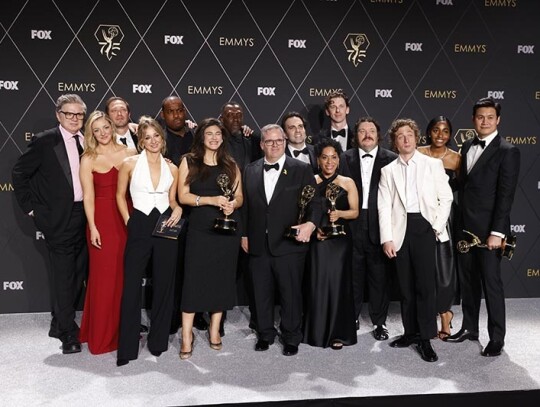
307,194
333,230
225,225
507,247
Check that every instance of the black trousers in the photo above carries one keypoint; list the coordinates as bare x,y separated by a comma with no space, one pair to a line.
369,262
282,274
481,269
140,247
415,263
68,256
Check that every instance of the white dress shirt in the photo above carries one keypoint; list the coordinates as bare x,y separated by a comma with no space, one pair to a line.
366,169
476,151
270,178
411,189
128,138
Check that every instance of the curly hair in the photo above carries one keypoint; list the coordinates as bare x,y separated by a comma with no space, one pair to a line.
397,124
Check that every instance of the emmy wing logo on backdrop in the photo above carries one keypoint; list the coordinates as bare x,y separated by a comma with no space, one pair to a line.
356,46
109,37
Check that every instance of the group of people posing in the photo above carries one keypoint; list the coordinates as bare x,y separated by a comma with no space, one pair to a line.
310,227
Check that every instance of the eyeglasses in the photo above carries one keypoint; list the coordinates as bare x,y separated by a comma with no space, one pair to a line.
71,115
278,142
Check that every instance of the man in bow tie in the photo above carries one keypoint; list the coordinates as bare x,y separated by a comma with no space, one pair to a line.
486,186
48,189
337,109
294,126
363,164
276,263
117,108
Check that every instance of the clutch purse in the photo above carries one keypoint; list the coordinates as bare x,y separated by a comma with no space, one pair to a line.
167,232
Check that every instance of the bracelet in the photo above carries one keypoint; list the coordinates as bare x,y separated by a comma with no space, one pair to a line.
197,200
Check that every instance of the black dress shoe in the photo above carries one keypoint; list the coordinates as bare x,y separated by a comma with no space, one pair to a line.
121,362
461,335
404,341
380,333
493,348
199,322
290,350
71,345
426,351
143,329
157,354
262,345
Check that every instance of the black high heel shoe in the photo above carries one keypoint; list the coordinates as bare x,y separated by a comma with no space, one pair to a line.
187,355
443,334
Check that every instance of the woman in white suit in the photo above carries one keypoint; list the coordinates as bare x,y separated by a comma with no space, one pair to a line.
414,204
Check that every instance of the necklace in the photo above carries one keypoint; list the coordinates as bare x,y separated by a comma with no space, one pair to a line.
441,157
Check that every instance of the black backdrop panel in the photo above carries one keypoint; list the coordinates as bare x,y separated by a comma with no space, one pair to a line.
394,58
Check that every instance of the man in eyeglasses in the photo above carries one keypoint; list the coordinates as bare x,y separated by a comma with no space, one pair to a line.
47,188
276,263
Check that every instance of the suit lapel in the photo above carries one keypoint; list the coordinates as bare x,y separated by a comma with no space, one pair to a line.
398,175
377,165
486,154
259,179
312,158
61,155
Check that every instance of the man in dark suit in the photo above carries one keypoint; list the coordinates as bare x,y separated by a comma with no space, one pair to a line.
178,137
244,143
294,126
336,107
272,187
486,186
118,110
47,188
363,165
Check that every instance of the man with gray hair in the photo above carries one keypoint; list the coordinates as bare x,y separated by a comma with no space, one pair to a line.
48,189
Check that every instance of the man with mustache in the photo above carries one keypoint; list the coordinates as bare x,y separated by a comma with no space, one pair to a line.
363,165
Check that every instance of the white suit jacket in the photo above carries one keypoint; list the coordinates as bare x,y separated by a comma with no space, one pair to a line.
434,196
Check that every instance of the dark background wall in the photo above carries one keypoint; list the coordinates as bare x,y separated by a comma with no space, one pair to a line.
394,58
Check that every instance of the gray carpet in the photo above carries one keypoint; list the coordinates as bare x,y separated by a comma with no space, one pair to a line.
34,371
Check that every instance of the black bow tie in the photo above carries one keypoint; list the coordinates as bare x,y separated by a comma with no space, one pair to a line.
298,152
477,141
337,133
367,155
268,167
123,140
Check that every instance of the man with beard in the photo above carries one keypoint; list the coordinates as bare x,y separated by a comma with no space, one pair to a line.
363,165
118,110
178,137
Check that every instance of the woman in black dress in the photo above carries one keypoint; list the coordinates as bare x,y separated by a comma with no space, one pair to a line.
438,134
211,257
329,318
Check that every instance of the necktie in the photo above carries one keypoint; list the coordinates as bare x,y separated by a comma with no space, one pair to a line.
336,133
367,155
298,152
268,167
79,147
477,141
123,140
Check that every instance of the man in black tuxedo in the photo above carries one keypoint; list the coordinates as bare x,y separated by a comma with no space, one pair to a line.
47,188
118,110
486,186
294,126
272,187
363,165
336,107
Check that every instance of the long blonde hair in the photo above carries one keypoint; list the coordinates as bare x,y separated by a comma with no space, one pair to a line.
90,142
146,122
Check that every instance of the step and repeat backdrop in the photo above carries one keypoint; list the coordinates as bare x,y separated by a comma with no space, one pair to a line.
393,58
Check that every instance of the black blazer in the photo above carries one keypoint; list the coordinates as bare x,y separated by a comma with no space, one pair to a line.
282,212
43,183
486,194
326,132
312,158
350,166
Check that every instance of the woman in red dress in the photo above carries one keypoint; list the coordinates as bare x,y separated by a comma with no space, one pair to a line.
106,233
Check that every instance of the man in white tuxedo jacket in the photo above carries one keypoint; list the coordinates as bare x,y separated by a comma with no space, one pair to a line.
414,202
